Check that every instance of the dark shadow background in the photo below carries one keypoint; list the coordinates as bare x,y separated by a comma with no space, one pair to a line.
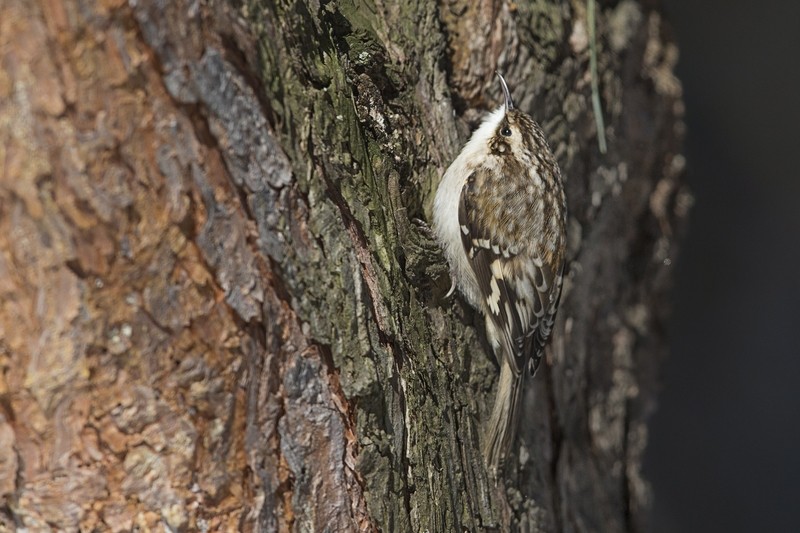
724,449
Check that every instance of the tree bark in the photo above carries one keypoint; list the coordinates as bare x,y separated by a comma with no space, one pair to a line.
216,311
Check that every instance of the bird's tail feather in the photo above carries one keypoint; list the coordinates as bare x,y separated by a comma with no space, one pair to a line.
504,420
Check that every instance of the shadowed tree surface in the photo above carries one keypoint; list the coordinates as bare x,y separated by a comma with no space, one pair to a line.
216,313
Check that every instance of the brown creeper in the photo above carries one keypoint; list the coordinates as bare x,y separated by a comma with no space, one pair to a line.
500,217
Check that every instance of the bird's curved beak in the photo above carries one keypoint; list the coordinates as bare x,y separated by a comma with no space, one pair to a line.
506,92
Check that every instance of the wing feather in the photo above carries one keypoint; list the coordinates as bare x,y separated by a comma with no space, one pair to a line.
519,290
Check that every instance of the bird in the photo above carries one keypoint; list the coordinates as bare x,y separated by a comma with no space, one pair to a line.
499,215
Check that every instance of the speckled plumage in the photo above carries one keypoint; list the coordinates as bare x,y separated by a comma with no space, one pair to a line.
500,216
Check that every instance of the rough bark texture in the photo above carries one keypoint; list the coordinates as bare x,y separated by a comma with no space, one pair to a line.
216,313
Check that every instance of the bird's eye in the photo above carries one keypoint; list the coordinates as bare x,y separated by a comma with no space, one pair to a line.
506,131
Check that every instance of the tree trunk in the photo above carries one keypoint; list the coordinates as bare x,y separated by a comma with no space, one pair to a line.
217,313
